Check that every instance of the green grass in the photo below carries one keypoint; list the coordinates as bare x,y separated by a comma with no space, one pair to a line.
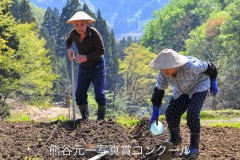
130,121
60,118
207,118
220,118
225,124
18,118
218,114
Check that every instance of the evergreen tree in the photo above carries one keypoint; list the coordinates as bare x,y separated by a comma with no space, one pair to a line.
68,11
49,32
101,26
123,43
22,11
50,22
64,29
111,56
86,9
63,64
103,29
15,9
113,76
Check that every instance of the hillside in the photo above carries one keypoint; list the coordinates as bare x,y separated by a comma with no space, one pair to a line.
127,19
38,13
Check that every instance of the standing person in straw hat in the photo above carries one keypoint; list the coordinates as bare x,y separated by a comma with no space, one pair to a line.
190,79
91,63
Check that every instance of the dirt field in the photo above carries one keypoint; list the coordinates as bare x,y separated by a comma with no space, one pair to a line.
26,140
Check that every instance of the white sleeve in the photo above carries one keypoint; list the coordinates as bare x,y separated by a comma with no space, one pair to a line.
198,66
162,82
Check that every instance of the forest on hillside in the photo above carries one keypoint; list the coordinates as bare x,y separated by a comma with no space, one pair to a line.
35,70
127,19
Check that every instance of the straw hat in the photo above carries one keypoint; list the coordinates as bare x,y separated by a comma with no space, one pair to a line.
168,58
80,16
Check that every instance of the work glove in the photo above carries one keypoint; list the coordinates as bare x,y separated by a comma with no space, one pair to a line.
213,86
155,115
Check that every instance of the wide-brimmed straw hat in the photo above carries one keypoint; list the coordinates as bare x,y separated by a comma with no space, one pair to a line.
80,16
168,58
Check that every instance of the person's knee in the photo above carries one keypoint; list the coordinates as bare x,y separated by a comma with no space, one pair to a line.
81,99
193,122
192,117
81,93
172,118
168,116
101,99
171,115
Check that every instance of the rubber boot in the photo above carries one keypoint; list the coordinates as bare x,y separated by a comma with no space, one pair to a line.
175,136
101,112
193,150
84,111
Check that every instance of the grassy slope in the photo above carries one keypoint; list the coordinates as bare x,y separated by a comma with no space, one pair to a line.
222,118
38,13
20,112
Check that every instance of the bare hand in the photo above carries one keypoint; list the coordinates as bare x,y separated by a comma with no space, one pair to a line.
70,54
81,58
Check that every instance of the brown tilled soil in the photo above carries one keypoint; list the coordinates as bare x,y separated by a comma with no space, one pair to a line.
60,140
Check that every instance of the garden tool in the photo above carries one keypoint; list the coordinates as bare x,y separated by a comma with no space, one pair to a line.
157,128
69,104
73,90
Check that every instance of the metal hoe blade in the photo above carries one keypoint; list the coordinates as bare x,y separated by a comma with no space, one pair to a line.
98,156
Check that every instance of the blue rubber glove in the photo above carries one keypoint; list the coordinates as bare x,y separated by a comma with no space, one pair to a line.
213,87
155,115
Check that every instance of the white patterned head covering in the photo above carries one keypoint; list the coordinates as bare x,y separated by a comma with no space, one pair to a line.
168,58
80,16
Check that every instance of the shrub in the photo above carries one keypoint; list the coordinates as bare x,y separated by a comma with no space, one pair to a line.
4,109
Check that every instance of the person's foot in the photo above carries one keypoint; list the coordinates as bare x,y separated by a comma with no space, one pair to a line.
191,154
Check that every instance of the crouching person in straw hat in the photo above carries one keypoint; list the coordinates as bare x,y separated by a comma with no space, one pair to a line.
91,63
190,79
